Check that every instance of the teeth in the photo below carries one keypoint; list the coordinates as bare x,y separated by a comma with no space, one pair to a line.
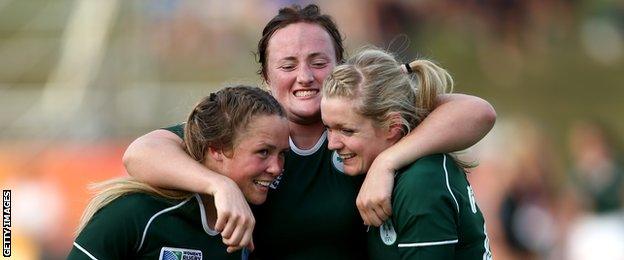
347,156
305,93
262,183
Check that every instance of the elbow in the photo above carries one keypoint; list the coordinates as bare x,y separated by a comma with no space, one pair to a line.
129,158
487,114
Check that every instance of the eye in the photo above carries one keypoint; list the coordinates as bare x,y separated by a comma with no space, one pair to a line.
263,153
347,131
283,153
319,64
287,67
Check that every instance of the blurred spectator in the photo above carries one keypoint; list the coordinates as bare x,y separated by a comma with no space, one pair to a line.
527,211
514,184
597,173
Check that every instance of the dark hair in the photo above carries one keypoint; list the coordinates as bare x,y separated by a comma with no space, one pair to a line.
219,118
295,14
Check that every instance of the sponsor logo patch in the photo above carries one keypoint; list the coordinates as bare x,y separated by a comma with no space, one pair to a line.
387,233
172,253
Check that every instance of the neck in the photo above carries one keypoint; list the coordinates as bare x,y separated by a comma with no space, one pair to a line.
211,211
306,136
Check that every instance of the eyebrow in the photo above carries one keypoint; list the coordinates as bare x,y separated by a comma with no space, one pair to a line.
313,55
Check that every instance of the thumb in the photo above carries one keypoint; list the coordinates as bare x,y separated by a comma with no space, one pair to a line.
251,246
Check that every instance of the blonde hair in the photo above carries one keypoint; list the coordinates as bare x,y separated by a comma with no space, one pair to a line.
381,88
110,190
217,121
376,82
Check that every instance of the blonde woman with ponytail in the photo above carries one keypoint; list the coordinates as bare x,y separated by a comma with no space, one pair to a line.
240,132
370,103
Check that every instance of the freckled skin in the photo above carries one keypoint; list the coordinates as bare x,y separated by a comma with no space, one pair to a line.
352,134
300,57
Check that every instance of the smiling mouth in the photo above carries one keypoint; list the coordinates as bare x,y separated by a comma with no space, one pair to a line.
346,156
305,93
263,183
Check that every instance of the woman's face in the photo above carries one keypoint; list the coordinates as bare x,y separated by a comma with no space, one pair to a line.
258,156
355,138
300,57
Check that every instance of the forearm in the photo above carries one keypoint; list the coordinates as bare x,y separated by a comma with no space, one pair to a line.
158,158
458,122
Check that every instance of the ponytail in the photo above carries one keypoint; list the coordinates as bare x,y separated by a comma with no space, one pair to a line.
432,80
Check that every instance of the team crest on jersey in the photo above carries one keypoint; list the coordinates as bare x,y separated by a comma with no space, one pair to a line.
337,162
387,233
171,253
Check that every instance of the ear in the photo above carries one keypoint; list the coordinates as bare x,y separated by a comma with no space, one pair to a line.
215,153
395,128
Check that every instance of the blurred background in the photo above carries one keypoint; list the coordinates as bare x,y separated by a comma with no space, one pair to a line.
80,79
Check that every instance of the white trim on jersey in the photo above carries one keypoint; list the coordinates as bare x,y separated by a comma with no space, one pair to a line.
310,151
436,243
448,186
84,251
156,215
208,230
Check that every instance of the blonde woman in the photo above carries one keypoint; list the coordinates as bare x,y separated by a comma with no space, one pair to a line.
239,132
370,103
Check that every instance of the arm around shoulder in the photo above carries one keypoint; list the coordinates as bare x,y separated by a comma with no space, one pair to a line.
158,158
458,122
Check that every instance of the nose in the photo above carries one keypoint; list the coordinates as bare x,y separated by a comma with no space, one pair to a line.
305,76
334,142
276,166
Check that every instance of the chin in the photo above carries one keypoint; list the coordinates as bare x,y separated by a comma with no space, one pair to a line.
256,200
352,172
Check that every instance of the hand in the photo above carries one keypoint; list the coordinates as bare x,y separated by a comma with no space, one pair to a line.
375,196
234,218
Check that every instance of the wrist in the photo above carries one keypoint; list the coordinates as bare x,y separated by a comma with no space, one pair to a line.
216,183
386,162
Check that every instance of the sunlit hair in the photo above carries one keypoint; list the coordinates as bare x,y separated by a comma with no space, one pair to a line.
295,14
382,90
218,120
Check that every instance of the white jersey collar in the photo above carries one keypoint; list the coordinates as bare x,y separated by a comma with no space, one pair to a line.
310,151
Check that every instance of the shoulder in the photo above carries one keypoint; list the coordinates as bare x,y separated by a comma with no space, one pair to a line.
134,209
176,129
424,183
424,172
115,231
138,203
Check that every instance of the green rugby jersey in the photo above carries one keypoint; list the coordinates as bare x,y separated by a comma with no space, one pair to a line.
310,212
435,215
142,226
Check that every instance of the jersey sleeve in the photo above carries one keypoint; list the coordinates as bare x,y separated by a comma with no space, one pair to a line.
112,233
426,213
176,129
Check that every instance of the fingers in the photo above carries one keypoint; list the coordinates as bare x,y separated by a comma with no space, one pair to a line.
222,220
238,233
374,212
251,246
229,228
232,249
